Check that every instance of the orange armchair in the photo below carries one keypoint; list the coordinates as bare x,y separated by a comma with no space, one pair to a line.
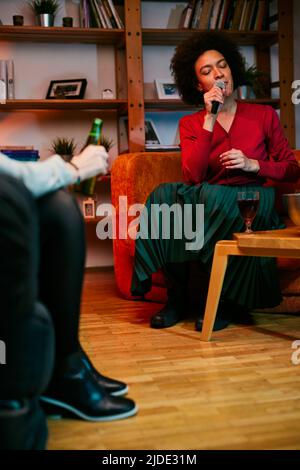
135,175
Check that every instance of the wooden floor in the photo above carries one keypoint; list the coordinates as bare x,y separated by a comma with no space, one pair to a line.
241,391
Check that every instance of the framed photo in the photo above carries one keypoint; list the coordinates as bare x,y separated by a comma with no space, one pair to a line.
66,89
151,135
88,207
166,89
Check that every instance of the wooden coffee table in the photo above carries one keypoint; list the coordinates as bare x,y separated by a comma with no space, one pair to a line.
284,243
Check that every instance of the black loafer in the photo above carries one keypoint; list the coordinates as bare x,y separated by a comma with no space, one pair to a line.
166,317
219,324
223,318
75,392
114,387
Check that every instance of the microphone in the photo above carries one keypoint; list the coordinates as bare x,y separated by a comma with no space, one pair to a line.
215,108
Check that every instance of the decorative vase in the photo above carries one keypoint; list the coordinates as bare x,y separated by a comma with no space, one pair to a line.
45,19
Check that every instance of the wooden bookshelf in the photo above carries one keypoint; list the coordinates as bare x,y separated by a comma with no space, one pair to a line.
114,105
131,40
62,35
168,37
178,105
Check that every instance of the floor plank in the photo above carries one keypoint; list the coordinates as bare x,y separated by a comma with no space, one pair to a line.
240,391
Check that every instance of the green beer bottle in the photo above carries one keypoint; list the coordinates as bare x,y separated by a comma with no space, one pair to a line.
88,186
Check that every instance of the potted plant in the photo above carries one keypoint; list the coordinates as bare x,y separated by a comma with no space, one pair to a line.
64,147
254,86
45,11
106,142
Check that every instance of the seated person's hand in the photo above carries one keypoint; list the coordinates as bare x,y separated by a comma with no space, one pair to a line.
93,160
235,159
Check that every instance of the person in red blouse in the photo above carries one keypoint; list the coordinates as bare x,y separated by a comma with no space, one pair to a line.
226,147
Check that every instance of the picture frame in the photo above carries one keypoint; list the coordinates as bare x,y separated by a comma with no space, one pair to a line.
67,89
152,136
88,208
166,89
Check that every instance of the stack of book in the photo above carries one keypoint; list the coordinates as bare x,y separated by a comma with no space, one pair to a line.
20,153
236,15
99,14
7,83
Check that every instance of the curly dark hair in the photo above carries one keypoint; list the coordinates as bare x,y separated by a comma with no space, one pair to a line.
187,53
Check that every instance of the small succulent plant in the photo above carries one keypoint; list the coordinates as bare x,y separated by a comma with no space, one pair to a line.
41,7
107,143
64,147
255,79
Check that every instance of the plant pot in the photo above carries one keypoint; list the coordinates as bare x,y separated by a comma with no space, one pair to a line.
45,19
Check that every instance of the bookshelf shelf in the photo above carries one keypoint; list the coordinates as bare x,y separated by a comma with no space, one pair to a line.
62,35
176,36
167,105
113,105
178,105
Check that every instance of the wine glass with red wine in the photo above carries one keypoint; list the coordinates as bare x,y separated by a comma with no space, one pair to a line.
248,204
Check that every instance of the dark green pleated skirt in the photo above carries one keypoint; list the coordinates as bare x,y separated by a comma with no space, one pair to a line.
249,281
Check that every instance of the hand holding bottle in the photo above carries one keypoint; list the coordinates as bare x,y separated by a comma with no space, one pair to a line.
93,160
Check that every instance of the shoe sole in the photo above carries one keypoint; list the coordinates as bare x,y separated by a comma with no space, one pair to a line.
119,393
76,412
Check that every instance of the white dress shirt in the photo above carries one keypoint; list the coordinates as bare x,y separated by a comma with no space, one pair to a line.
39,177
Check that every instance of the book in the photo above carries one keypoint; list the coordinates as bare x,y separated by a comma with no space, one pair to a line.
115,14
22,156
161,148
186,15
16,147
100,15
105,14
205,14
10,80
215,14
94,17
109,14
3,80
196,15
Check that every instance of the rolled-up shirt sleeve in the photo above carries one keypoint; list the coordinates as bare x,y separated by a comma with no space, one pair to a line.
39,177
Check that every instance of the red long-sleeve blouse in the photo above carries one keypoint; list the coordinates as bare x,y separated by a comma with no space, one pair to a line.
255,130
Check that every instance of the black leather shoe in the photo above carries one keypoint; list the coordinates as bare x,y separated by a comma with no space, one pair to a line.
219,324
112,386
223,318
74,391
166,317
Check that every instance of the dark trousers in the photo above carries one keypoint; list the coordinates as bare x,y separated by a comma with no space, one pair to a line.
42,253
